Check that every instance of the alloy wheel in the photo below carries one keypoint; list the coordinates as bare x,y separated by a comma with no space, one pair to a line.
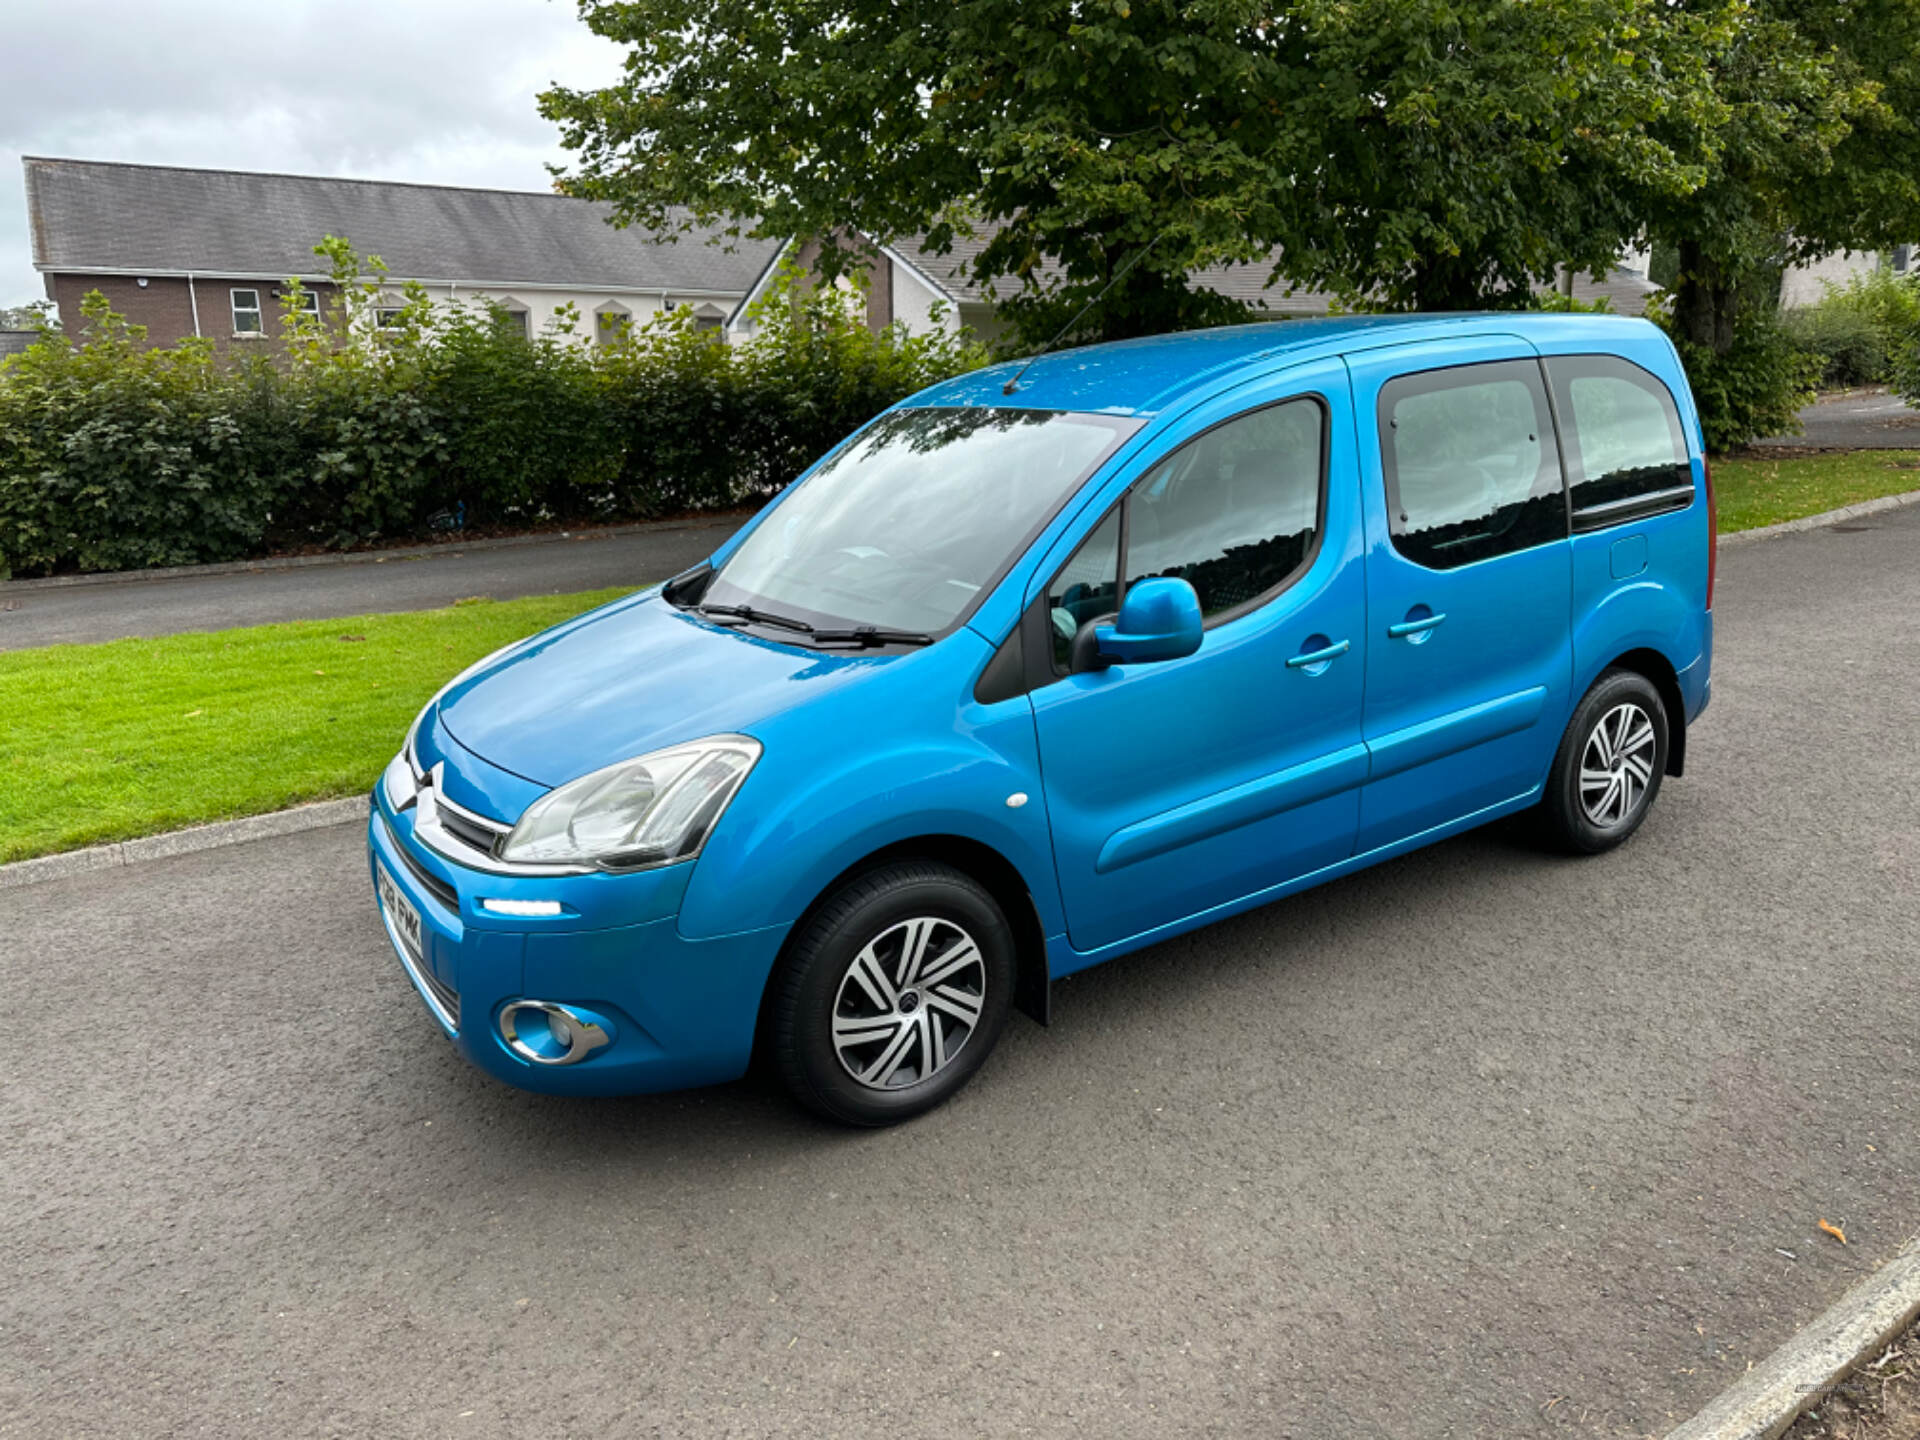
1616,765
908,1002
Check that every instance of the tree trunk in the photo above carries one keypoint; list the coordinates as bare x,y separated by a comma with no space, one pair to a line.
1705,306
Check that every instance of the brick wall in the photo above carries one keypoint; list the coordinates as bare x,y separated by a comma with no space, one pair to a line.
165,306
879,278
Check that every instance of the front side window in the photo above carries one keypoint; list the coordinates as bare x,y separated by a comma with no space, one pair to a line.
912,520
246,312
1087,587
1471,467
1626,456
1235,512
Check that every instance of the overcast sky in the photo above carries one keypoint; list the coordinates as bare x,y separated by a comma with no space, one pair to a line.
439,90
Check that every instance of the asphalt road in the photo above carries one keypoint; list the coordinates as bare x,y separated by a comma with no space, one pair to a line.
1481,1142
1857,420
81,614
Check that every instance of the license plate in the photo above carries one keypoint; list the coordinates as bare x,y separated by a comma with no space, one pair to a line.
400,911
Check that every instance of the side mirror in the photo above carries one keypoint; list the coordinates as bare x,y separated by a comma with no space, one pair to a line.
1159,620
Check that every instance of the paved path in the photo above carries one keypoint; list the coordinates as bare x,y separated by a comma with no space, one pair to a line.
81,614
1483,1142
1857,420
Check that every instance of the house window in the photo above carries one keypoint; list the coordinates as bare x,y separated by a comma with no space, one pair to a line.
246,312
387,318
308,302
709,322
613,323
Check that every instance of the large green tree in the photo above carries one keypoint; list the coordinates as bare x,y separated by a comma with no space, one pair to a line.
1401,152
1815,149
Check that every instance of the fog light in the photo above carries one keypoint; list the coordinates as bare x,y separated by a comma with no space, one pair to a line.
543,1033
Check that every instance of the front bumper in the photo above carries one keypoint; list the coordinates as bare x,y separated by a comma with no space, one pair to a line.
682,1011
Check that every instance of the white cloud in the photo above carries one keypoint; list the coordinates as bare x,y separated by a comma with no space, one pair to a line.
435,90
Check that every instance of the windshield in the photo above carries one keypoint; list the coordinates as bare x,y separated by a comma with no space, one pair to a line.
907,524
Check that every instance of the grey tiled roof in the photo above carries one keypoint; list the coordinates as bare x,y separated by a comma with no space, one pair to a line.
1626,290
94,215
953,272
12,342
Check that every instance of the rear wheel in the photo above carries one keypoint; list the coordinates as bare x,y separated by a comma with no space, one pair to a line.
893,994
1608,769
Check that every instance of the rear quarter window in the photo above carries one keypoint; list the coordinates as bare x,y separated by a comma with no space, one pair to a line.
1626,455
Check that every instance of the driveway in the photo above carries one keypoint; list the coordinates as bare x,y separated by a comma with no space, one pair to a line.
1481,1142
1856,420
589,560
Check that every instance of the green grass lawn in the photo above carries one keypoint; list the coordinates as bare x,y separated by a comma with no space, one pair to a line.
1754,492
108,742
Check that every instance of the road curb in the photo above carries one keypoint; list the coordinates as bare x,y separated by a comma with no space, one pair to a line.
183,842
1772,1395
271,563
1822,520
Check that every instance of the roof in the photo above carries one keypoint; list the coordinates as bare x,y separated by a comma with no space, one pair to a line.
90,216
1141,377
12,342
953,273
1625,290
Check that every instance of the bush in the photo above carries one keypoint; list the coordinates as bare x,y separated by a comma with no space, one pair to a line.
1755,387
1858,331
114,456
1848,347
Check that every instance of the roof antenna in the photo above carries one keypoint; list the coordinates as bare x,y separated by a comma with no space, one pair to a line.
1118,276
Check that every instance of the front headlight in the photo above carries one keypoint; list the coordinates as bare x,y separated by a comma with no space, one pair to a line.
648,811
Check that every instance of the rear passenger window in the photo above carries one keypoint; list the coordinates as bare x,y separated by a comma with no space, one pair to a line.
1626,457
1471,467
1234,513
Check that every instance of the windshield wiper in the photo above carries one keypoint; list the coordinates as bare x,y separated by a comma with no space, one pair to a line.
756,617
855,635
874,635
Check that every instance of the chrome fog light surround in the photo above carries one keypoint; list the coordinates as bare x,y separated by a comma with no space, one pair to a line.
543,1033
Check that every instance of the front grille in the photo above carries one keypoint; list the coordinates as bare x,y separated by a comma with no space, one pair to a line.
430,882
448,997
466,831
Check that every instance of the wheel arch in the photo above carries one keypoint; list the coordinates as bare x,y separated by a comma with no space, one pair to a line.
1001,879
1659,672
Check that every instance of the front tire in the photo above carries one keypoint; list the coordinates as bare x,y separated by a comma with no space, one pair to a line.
893,994
1609,766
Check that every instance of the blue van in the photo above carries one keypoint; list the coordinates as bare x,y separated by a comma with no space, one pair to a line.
1041,667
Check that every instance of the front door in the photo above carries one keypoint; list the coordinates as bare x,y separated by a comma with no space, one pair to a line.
1469,582
1178,787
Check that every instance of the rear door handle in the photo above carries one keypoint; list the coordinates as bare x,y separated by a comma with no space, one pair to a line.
1414,627
1323,656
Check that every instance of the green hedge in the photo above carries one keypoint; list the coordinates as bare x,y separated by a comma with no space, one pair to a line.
1863,332
114,456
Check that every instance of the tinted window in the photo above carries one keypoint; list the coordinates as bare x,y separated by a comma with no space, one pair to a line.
1622,436
1471,467
1086,587
911,520
1235,512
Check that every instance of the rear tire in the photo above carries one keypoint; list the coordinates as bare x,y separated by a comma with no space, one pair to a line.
893,994
1607,772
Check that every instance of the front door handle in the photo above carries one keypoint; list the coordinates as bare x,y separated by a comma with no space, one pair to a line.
1320,658
1414,627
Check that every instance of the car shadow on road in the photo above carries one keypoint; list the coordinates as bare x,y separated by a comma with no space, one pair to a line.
1108,1009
